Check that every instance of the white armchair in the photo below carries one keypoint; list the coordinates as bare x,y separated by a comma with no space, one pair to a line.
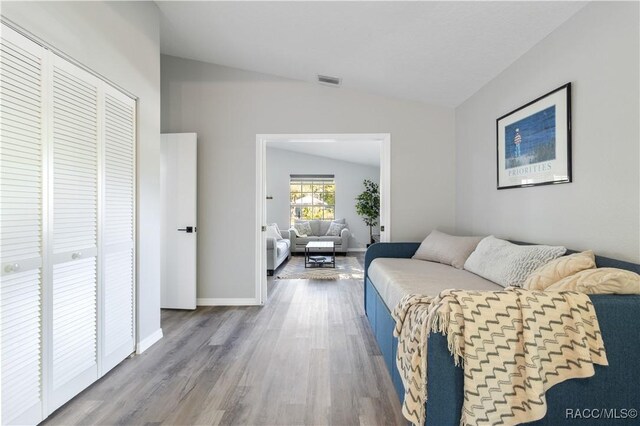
277,252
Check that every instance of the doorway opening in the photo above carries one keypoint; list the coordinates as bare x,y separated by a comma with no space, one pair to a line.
295,181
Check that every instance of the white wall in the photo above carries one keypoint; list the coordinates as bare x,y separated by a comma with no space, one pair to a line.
597,51
227,107
348,177
121,42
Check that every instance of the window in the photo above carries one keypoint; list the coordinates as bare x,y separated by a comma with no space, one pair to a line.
312,197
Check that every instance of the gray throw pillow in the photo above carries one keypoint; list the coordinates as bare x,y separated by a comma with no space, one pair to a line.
314,224
448,249
303,228
335,229
509,264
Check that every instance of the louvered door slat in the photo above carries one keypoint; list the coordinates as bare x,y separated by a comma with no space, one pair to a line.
17,146
15,71
23,110
27,295
27,326
119,213
21,371
19,61
15,141
21,203
9,92
78,95
21,88
15,45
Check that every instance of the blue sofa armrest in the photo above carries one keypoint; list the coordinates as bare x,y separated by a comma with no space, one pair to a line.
399,250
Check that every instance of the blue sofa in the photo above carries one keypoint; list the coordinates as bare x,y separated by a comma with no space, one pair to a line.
616,386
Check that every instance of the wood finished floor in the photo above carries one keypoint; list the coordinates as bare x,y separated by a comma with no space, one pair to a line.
307,357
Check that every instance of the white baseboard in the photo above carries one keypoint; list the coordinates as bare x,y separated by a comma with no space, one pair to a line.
228,301
356,250
148,341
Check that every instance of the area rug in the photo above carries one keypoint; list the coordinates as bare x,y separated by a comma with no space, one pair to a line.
347,268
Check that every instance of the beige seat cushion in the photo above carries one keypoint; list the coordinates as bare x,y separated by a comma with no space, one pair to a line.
448,249
558,269
395,278
600,281
302,241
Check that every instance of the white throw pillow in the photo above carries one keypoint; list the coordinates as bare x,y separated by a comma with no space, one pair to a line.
335,229
447,249
303,228
509,264
272,232
279,231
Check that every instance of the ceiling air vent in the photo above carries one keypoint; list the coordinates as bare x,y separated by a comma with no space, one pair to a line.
330,81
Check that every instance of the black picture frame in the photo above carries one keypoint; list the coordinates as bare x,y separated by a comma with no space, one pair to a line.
540,153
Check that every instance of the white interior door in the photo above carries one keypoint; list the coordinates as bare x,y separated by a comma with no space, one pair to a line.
178,181
73,218
385,188
117,292
21,239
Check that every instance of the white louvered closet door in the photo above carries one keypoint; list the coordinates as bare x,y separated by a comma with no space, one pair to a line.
67,229
118,228
73,216
21,242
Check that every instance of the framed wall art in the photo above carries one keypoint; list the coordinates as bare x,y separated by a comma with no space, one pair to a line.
534,142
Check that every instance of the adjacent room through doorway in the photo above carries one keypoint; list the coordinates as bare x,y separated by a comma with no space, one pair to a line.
322,203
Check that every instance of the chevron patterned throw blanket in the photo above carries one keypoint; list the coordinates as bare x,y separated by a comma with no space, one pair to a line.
513,346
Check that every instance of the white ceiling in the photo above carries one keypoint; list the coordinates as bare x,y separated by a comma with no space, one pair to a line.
435,52
366,152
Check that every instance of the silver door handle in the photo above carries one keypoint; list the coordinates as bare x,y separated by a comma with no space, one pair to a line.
15,267
76,255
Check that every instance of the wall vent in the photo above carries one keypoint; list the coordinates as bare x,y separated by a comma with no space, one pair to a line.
331,81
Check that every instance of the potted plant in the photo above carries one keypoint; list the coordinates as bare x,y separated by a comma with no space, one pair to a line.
368,206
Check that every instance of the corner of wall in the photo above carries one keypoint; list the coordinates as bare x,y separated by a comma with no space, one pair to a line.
144,344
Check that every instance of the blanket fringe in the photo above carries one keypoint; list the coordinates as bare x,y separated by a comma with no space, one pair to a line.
439,323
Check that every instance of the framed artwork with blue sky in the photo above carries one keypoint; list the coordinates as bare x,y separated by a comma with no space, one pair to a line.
534,142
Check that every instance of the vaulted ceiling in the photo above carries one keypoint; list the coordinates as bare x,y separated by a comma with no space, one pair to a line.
435,52
365,152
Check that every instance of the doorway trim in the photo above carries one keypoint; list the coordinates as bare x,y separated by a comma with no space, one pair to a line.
261,191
